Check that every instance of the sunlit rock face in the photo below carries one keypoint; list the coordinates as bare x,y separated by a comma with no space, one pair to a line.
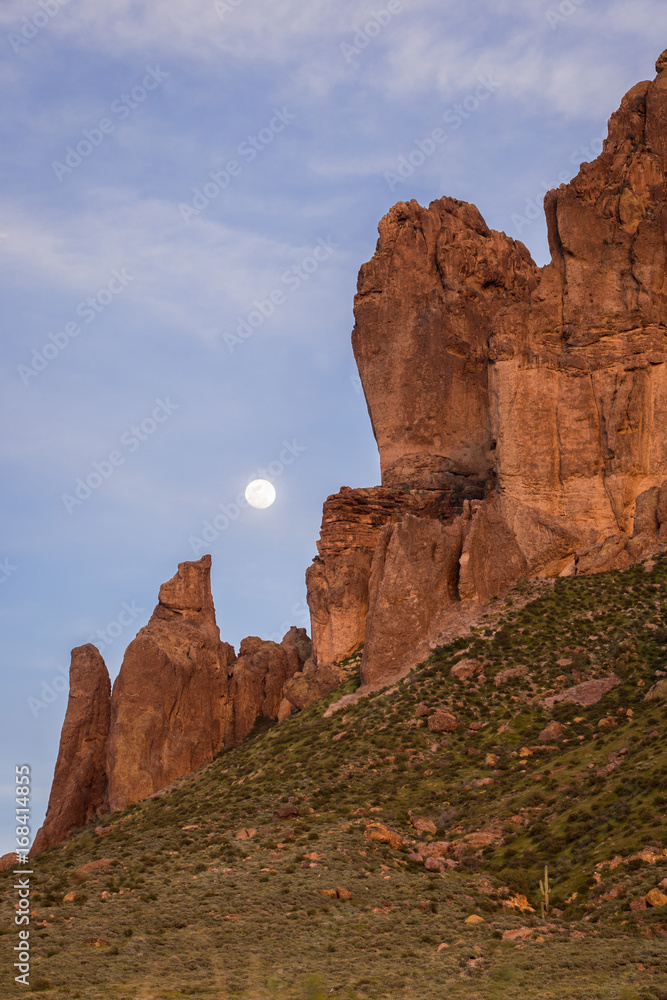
79,789
538,395
181,697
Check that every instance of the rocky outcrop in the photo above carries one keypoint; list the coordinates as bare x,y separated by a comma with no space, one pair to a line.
258,681
170,700
180,698
413,580
79,789
537,394
424,307
352,522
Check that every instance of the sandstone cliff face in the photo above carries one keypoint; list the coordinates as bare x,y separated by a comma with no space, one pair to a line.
538,394
413,580
170,698
423,310
578,379
338,579
79,789
180,698
257,683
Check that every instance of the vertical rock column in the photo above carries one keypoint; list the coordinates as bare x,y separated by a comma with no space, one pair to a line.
79,789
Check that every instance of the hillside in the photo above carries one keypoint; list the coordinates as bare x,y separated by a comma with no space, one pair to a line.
223,885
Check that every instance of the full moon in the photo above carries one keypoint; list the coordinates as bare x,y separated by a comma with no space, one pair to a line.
260,493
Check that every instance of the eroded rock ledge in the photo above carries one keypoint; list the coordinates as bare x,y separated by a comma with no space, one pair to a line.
537,395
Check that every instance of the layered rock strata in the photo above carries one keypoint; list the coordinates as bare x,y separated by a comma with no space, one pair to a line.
547,385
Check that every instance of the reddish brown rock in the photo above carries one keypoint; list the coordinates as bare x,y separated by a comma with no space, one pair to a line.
169,705
586,694
8,861
338,580
257,682
537,396
384,835
298,646
79,789
466,669
286,812
413,580
181,696
443,722
424,307
552,731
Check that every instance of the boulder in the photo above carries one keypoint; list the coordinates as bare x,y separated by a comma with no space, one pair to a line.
443,722
657,690
552,731
466,669
286,812
585,694
383,835
422,824
79,788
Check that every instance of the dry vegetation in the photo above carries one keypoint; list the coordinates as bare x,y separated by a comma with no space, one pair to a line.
185,909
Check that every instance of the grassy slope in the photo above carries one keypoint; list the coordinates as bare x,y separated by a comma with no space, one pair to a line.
192,911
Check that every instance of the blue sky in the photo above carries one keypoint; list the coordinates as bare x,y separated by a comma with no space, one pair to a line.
171,334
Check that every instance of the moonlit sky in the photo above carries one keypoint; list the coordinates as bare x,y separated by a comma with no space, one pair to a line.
198,339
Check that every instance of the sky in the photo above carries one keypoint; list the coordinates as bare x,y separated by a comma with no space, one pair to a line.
188,192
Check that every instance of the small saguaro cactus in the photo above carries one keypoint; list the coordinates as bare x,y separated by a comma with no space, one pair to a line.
544,889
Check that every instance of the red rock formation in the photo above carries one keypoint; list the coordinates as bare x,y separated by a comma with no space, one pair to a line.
79,784
258,679
539,394
170,697
180,698
413,579
424,307
338,579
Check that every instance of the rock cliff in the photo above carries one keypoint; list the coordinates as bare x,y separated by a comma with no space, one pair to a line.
521,418
537,395
171,698
181,697
79,789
